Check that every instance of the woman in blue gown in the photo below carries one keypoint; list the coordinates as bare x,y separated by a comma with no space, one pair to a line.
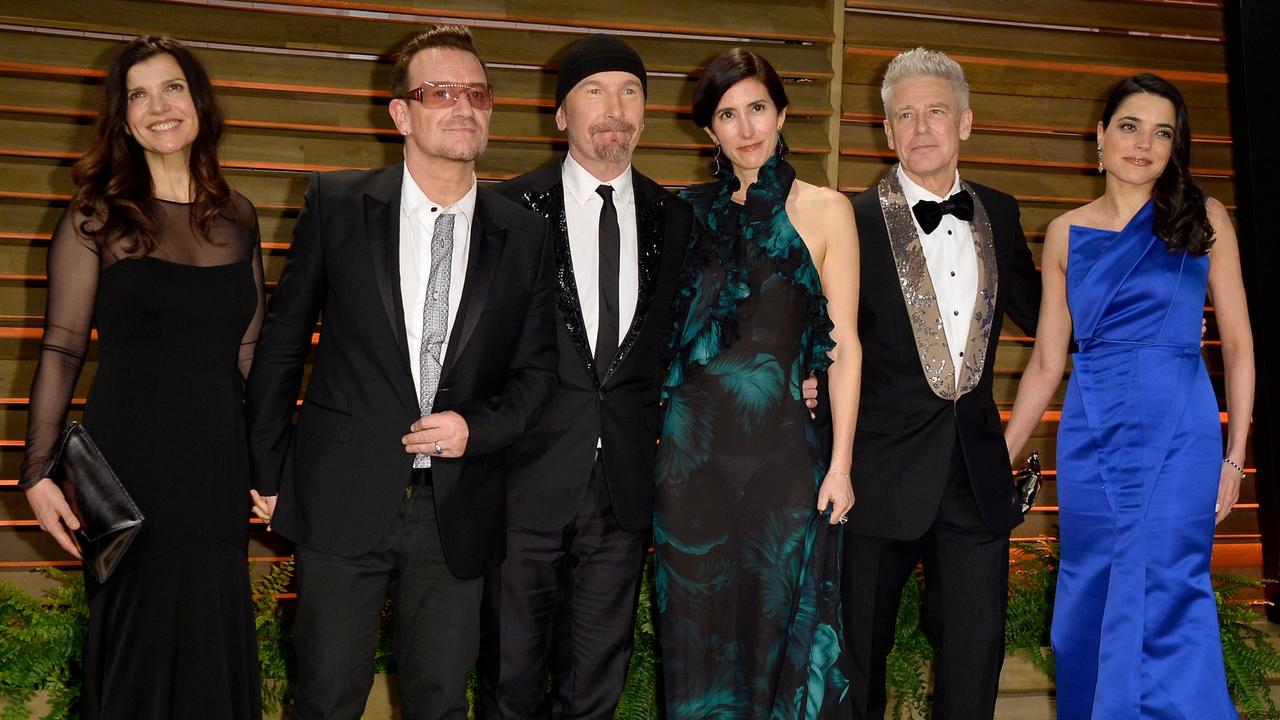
748,502
1142,476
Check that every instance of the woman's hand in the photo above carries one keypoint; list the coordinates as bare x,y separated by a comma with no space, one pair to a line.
836,491
1228,492
54,514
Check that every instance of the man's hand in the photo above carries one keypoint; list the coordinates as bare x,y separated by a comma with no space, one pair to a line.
264,506
54,514
441,434
809,391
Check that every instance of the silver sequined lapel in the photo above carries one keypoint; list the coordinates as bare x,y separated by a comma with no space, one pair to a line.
922,300
984,306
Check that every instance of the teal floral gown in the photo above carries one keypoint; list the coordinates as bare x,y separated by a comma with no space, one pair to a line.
747,569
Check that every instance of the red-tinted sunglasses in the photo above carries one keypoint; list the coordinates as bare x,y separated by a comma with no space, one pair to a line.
446,94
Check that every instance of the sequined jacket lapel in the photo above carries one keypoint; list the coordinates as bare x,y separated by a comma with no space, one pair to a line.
984,306
549,203
922,300
651,231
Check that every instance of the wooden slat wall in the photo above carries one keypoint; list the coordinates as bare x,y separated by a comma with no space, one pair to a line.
304,87
303,84
1039,72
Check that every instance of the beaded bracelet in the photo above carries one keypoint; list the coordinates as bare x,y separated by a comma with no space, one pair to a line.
1234,466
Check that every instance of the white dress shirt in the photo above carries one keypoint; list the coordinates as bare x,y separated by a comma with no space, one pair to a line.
953,268
418,214
582,206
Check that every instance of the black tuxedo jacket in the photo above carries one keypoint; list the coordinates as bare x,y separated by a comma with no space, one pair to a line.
341,471
550,466
906,432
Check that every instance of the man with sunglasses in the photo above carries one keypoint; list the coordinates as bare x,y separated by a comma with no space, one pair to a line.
437,351
580,496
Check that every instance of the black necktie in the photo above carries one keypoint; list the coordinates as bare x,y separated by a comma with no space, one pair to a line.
929,213
610,242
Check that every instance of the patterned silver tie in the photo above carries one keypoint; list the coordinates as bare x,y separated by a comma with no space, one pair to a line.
435,319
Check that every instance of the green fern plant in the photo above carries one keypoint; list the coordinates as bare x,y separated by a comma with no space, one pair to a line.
40,641
1033,577
275,655
639,700
41,638
1249,653
907,668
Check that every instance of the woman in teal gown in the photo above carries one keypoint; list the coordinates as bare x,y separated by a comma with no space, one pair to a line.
1142,476
746,524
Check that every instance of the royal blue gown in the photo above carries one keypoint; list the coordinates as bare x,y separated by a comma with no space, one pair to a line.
1135,626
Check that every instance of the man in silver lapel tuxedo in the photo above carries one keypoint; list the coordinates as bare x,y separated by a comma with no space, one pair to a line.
943,261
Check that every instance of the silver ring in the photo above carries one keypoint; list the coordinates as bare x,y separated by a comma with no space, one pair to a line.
844,519
437,449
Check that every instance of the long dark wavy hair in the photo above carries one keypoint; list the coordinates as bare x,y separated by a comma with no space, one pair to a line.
1180,217
114,187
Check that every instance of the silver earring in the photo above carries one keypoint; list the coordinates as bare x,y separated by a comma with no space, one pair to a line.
1100,168
715,166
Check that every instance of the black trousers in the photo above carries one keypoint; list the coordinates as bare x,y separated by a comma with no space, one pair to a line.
563,600
436,622
966,571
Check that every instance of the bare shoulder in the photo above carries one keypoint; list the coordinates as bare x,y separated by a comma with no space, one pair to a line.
1087,215
820,200
1217,212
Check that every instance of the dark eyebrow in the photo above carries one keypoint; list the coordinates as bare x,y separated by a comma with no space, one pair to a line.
1138,119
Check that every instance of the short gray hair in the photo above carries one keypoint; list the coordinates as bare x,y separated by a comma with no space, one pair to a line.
923,62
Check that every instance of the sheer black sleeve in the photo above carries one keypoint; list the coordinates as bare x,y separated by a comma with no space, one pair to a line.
250,340
73,282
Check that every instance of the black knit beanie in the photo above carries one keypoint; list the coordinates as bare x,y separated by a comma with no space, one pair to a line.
594,54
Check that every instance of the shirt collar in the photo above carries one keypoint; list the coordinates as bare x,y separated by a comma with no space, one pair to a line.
915,193
413,200
582,184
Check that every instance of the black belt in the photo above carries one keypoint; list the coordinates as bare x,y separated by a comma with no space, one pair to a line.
418,478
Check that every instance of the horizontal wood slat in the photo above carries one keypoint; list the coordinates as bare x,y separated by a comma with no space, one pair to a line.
260,26
790,20
1031,44
1083,81
1171,17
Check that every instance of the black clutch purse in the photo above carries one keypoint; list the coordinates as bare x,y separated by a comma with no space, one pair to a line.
1027,482
109,520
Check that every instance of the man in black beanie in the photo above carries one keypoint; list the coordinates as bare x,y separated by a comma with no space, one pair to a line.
580,484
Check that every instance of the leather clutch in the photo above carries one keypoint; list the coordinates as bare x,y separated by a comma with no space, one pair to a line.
109,519
1027,482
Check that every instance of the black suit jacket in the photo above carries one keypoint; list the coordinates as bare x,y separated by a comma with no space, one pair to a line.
341,471
551,465
906,433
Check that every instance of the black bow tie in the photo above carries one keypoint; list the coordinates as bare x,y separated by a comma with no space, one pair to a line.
929,213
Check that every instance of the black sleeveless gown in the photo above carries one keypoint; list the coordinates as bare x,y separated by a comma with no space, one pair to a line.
171,632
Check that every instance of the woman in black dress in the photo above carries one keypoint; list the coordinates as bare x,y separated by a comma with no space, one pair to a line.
159,255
